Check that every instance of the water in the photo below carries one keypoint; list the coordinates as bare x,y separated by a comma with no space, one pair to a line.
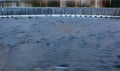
56,10
40,7
59,44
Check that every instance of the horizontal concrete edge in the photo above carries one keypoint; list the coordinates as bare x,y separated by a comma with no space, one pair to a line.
60,15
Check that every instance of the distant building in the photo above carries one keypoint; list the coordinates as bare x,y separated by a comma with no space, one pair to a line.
60,3
11,3
75,3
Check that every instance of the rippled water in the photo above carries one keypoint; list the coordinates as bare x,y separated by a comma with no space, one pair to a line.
47,43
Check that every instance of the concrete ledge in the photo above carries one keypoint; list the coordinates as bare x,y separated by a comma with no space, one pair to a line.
58,15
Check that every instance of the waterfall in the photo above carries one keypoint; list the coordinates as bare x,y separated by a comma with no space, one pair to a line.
56,10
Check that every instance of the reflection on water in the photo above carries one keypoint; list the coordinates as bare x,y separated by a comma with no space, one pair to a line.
59,3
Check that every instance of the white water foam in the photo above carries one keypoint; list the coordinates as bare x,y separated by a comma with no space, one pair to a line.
60,15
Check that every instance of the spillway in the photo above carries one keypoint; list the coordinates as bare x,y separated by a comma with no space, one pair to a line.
57,10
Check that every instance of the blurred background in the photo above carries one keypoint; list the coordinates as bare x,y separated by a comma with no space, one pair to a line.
60,3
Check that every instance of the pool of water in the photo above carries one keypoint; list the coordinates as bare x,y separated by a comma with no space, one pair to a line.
45,43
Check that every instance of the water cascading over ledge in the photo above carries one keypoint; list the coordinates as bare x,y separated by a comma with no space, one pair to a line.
56,10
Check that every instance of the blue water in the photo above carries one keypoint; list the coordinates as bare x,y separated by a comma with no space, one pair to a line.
42,43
